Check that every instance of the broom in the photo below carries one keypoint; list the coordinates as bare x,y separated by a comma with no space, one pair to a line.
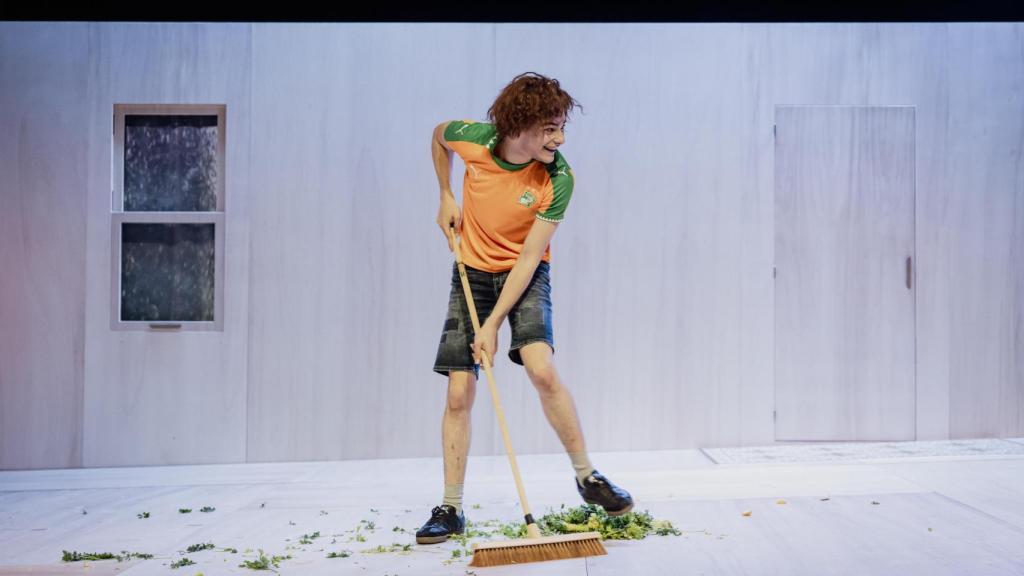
534,548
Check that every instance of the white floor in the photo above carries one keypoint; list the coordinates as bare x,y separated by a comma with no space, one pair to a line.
928,515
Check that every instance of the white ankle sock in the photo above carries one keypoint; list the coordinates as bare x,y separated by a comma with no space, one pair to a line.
581,463
453,496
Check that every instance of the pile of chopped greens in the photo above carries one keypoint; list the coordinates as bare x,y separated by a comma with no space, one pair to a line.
592,518
585,518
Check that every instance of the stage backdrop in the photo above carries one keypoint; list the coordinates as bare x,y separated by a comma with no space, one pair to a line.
779,232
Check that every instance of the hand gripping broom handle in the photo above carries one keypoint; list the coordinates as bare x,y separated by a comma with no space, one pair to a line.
532,531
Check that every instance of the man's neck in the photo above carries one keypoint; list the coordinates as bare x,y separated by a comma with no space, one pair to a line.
503,151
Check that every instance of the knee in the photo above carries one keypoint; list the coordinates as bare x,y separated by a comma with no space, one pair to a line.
461,391
543,376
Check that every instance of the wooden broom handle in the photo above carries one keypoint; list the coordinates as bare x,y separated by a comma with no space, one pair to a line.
532,531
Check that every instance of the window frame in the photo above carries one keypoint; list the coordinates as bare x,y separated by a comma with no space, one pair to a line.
118,217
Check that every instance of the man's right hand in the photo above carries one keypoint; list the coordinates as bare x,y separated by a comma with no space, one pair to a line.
449,213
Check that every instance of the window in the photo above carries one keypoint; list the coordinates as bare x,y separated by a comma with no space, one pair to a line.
167,217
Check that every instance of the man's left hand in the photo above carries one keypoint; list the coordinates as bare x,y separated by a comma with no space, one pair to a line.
486,340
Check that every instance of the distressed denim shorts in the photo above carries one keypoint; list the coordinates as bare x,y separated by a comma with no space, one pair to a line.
530,317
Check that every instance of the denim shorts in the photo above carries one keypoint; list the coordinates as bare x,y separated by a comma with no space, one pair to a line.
529,318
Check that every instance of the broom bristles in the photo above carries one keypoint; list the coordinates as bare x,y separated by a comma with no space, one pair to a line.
537,549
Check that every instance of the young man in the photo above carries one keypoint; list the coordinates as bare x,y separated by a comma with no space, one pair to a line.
516,189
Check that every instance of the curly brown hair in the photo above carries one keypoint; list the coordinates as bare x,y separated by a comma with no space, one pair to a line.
529,99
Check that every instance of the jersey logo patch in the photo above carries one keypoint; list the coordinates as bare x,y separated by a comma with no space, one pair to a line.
527,199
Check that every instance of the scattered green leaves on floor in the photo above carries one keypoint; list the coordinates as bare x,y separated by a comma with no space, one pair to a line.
585,518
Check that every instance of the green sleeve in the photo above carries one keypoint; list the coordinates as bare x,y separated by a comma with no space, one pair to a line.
477,132
562,182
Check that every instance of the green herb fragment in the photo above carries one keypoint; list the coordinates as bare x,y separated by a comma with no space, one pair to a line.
78,557
143,515
342,554
125,555
182,562
184,510
263,563
207,509
201,547
396,547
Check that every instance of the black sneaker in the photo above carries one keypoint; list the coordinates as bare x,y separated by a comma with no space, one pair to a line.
443,521
597,489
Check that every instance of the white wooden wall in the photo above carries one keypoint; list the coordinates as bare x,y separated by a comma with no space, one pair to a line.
337,276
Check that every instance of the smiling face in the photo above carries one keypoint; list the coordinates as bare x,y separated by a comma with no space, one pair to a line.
543,139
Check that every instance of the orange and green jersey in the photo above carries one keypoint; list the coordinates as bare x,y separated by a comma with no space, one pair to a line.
501,201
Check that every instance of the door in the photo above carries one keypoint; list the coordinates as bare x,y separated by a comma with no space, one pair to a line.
844,282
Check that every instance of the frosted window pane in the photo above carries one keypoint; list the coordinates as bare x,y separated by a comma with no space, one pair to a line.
167,272
170,163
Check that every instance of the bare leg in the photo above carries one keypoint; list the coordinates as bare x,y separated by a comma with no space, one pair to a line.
554,397
561,412
455,427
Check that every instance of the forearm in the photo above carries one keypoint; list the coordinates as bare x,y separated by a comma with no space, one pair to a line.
518,279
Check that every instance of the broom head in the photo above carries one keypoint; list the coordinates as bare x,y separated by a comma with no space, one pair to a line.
537,549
